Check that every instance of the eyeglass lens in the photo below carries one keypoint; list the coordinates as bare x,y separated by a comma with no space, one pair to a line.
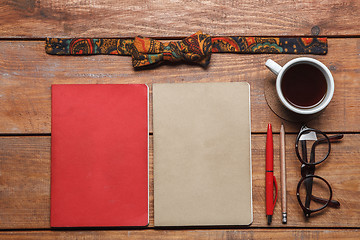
313,147
314,193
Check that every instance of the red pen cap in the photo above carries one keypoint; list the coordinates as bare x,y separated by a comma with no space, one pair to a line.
269,149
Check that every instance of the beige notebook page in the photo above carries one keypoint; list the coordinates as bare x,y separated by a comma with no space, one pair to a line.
202,154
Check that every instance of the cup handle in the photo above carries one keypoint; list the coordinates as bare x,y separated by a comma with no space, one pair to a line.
273,66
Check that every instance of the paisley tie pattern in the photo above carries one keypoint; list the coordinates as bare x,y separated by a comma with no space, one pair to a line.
270,45
194,49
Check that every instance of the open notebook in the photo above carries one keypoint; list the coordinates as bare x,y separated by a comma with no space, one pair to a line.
202,154
99,155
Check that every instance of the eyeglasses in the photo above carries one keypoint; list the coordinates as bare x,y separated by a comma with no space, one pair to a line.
313,192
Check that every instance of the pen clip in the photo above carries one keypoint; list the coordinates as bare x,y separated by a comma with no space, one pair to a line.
276,191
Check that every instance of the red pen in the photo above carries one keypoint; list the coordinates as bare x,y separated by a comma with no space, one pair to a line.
270,179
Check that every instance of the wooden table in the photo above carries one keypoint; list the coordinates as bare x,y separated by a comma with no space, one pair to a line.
27,72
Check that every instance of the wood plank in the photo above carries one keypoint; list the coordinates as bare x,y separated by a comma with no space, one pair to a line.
206,234
27,72
25,183
98,18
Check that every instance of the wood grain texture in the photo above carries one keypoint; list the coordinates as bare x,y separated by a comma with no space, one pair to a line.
25,183
151,234
27,72
169,18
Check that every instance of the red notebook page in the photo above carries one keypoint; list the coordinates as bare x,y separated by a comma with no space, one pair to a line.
99,155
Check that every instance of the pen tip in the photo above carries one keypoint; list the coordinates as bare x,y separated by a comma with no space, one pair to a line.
284,219
269,219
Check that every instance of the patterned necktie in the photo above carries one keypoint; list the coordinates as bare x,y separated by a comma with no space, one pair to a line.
194,49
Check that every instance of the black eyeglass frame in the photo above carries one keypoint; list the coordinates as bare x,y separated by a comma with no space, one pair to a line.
308,170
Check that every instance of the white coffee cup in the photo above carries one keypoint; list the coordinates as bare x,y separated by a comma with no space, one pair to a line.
279,71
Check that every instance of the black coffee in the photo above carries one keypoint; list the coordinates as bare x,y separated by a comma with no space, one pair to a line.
304,85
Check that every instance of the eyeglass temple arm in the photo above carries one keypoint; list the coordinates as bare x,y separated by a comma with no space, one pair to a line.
333,138
304,150
308,186
332,203
308,182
